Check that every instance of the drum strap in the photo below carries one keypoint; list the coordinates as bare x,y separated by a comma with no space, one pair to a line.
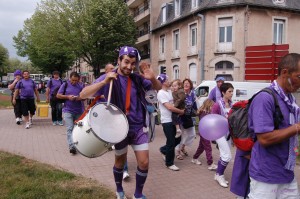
128,92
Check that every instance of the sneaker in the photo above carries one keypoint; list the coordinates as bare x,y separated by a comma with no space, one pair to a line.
178,133
125,175
60,123
196,161
173,168
54,123
212,167
73,151
221,180
143,197
18,121
121,195
27,125
30,120
163,156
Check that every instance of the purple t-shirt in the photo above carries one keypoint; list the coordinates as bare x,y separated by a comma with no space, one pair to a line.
213,95
26,88
74,107
135,118
267,164
56,83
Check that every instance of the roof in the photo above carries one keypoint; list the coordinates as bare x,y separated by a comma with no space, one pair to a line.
186,11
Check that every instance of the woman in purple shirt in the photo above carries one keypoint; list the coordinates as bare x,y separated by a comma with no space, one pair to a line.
222,107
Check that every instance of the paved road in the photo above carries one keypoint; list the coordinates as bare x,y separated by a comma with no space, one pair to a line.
47,144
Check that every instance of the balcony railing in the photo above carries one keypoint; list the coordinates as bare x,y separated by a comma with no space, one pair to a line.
140,10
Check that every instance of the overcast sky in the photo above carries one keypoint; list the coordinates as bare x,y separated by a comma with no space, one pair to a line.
13,13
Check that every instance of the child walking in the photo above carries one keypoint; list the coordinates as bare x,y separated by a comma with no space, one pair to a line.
178,99
204,144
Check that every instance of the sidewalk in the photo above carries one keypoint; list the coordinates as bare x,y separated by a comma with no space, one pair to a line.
46,143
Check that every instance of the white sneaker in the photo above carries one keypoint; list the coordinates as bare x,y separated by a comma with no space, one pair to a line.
196,161
125,175
221,180
18,121
173,168
27,125
212,167
178,133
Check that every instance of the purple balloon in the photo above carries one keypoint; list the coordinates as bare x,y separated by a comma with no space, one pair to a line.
213,126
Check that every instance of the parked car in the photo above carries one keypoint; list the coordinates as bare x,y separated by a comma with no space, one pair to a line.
4,84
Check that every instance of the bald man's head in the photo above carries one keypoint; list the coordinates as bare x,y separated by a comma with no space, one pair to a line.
109,68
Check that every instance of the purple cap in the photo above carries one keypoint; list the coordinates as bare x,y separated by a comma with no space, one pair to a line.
17,72
220,79
162,78
127,50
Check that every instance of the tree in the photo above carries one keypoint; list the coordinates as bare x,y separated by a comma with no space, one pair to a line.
62,31
3,59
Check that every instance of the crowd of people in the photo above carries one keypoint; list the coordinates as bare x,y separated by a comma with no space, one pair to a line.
266,172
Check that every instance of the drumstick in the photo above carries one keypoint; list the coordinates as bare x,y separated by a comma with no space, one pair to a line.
109,92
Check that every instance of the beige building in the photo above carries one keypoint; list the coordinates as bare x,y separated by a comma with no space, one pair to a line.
203,39
140,10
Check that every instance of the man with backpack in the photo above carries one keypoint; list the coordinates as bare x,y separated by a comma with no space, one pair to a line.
273,156
53,86
26,88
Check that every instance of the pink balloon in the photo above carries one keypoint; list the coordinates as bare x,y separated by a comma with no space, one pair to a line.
213,126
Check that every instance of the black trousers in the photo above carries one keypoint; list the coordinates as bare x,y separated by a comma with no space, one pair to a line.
56,110
18,108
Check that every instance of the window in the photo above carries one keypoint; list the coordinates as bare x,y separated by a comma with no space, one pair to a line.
225,34
193,35
225,30
177,7
164,14
176,72
224,65
279,31
176,40
193,73
163,70
162,44
194,4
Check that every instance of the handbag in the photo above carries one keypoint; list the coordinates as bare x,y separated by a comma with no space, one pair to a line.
187,121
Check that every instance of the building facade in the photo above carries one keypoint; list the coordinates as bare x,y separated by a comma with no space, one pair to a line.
140,10
204,39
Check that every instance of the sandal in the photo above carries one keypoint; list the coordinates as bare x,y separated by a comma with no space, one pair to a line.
184,152
179,157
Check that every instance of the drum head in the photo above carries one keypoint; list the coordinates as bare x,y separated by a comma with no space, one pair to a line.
108,122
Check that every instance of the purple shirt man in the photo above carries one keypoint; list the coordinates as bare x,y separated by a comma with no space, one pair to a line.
56,83
74,107
273,156
267,163
27,87
128,60
135,115
215,93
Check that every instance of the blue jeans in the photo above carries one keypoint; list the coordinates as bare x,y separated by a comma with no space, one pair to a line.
69,120
169,149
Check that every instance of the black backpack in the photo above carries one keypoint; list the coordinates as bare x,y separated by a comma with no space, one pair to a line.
238,121
53,95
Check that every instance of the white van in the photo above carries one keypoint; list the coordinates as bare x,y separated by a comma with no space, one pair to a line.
242,90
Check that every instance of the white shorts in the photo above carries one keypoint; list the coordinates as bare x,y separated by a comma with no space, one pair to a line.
261,190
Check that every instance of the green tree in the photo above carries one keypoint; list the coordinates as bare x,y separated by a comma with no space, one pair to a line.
3,59
62,31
